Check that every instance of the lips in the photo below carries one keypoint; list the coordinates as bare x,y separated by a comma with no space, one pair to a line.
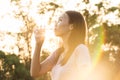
55,28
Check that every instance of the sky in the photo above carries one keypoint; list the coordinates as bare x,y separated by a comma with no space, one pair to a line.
9,23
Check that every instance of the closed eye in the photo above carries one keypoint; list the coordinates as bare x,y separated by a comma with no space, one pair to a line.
59,20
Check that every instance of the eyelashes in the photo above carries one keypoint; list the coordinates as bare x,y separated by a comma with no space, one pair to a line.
60,20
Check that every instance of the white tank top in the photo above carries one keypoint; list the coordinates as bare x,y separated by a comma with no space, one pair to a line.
76,68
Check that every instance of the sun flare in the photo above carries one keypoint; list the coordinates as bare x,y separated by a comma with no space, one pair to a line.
8,23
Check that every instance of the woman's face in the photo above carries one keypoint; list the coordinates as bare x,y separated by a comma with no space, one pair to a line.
62,25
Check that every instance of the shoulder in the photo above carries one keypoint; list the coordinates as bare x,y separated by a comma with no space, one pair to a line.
82,55
81,48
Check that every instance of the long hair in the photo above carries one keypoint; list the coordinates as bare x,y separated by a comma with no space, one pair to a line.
78,33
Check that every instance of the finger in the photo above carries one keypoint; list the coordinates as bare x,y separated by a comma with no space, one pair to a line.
43,26
36,31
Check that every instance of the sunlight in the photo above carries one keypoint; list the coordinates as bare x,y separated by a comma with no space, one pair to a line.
112,18
6,8
7,21
10,24
112,2
10,41
5,12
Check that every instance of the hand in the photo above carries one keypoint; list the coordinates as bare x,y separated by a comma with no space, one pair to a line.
39,35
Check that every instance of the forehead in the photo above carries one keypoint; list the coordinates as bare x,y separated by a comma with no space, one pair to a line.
64,16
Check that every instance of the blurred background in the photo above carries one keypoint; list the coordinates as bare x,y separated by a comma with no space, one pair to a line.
18,18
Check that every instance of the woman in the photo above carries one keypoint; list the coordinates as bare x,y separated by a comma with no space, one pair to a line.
72,60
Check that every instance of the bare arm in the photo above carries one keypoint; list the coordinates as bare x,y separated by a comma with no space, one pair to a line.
37,68
35,63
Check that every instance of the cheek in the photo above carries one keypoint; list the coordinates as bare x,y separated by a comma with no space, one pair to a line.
59,26
61,29
62,25
58,30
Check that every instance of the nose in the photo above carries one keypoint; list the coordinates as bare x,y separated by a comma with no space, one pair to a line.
55,24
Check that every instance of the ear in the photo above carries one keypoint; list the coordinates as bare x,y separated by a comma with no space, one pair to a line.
71,27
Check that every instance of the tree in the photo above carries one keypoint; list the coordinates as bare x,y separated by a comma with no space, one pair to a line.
103,34
12,68
104,39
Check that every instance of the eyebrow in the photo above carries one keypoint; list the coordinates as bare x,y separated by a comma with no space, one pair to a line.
60,17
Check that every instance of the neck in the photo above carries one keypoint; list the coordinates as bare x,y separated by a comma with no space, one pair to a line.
65,38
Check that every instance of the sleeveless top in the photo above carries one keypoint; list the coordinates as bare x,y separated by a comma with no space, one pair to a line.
76,68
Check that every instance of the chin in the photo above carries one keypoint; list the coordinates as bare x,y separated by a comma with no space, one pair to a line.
57,34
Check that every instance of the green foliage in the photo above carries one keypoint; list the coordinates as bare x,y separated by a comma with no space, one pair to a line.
91,19
112,9
12,69
113,34
103,34
45,7
99,5
108,34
